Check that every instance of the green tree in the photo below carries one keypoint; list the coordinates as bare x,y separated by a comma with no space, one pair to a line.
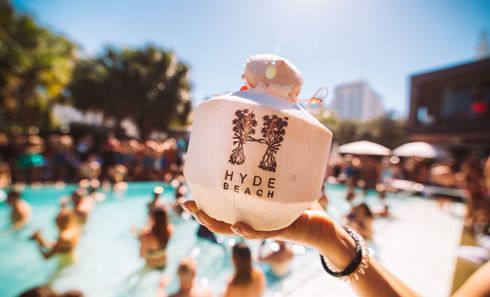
35,67
148,86
385,130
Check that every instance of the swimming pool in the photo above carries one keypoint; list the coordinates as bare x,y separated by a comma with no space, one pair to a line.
108,254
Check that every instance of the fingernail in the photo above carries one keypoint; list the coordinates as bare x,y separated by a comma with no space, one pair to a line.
236,230
197,219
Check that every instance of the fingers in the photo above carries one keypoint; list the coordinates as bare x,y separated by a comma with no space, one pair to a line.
239,228
248,232
202,218
190,206
212,224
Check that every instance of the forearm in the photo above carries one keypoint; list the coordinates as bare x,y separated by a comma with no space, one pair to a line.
43,244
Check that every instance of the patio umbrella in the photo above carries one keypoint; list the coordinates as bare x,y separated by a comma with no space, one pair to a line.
419,149
364,147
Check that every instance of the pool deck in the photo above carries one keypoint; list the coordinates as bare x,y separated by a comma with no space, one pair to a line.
418,245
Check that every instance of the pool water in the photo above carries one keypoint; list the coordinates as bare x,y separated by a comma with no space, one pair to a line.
108,262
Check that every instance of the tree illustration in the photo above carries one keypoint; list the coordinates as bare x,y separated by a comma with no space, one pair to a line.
273,131
244,125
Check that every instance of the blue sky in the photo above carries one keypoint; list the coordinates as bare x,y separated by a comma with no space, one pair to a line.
331,41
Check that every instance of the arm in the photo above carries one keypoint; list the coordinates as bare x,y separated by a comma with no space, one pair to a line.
41,241
21,223
143,245
317,230
477,285
62,245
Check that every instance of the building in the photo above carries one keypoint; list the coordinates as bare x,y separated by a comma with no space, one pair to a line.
451,107
356,101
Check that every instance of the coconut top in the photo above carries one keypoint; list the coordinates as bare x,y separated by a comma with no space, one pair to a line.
273,74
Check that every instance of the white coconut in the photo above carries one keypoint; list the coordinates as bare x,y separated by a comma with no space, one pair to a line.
256,156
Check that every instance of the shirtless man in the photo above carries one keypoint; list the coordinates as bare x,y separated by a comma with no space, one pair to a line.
21,210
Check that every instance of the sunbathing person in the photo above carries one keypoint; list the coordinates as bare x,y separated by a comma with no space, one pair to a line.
247,280
20,210
279,260
68,237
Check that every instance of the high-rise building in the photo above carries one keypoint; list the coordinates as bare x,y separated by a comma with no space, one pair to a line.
356,101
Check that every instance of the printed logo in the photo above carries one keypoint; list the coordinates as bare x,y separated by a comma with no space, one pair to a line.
244,128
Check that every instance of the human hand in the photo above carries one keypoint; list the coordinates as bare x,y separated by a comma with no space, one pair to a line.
36,236
313,228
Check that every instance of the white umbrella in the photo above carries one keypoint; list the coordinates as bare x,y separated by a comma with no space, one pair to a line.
364,147
419,149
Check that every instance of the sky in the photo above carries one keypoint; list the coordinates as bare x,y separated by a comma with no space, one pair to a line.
331,41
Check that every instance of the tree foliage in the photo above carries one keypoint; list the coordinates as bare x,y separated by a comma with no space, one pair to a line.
35,67
384,130
148,86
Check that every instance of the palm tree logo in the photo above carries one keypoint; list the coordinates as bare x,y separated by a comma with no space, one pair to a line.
273,132
243,126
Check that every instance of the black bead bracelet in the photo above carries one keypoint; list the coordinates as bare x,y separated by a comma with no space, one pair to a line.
354,265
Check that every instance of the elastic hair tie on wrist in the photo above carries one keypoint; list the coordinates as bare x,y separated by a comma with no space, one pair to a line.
358,265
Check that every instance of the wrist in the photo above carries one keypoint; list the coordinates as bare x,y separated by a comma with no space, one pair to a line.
337,245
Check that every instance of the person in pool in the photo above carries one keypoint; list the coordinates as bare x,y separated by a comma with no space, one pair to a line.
280,259
68,237
20,210
247,281
188,286
361,219
82,205
154,238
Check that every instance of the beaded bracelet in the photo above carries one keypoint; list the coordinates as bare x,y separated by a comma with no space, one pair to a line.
358,265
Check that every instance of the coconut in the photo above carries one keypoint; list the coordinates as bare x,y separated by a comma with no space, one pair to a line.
256,156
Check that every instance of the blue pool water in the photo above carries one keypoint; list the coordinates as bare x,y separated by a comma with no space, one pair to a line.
108,254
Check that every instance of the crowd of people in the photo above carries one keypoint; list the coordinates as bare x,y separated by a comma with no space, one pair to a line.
64,158
465,181
93,162
153,237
